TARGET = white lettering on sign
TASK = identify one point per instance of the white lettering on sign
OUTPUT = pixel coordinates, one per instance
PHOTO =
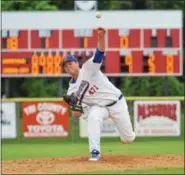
(45, 128)
(45, 107)
(163, 110)
(30, 109)
(51, 107)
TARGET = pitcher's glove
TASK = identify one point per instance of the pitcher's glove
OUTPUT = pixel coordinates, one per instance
(72, 100)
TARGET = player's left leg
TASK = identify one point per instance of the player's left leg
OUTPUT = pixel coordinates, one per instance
(121, 118)
(95, 118)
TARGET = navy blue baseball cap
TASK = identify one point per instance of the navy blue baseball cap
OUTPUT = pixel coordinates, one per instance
(69, 58)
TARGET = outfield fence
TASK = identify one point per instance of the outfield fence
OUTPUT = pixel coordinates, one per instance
(51, 117)
(131, 98)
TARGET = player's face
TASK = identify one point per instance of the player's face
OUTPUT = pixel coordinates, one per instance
(72, 68)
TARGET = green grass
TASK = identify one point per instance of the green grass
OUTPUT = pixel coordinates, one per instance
(151, 171)
(29, 150)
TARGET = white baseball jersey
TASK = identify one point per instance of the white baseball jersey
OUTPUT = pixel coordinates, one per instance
(100, 90)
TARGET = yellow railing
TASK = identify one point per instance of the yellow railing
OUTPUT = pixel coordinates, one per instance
(131, 98)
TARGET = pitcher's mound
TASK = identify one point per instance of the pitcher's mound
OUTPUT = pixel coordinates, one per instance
(77, 164)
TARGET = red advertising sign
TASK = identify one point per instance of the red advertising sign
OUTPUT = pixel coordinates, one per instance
(45, 119)
(157, 118)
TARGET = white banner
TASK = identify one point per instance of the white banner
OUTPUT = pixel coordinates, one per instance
(108, 128)
(157, 118)
(8, 120)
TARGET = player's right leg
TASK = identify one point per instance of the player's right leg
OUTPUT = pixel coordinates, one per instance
(95, 118)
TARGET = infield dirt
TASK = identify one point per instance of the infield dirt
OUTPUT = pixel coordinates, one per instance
(77, 164)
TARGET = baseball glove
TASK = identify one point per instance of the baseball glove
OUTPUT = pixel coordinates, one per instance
(72, 100)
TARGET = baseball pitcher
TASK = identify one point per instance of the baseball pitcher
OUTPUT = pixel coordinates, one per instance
(90, 89)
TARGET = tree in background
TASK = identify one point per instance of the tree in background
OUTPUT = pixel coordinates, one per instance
(151, 86)
(41, 87)
(27, 5)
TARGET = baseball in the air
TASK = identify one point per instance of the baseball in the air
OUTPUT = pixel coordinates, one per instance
(98, 15)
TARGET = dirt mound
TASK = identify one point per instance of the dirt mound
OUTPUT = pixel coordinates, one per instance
(77, 164)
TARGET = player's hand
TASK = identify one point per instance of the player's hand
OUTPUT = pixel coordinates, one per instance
(101, 31)
(76, 114)
(101, 39)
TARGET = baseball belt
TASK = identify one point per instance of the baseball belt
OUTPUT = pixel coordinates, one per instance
(113, 103)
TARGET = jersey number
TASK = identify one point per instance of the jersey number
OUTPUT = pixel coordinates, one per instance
(93, 90)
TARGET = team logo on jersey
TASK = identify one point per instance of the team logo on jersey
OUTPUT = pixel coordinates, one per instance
(82, 90)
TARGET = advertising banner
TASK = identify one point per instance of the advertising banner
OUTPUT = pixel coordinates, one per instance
(45, 119)
(108, 128)
(8, 120)
(157, 118)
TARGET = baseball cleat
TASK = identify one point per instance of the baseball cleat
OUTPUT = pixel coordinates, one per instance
(95, 155)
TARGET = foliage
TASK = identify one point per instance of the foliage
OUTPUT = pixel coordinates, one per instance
(40, 87)
(28, 5)
(175, 87)
(63, 4)
(167, 4)
(151, 86)
(114, 5)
